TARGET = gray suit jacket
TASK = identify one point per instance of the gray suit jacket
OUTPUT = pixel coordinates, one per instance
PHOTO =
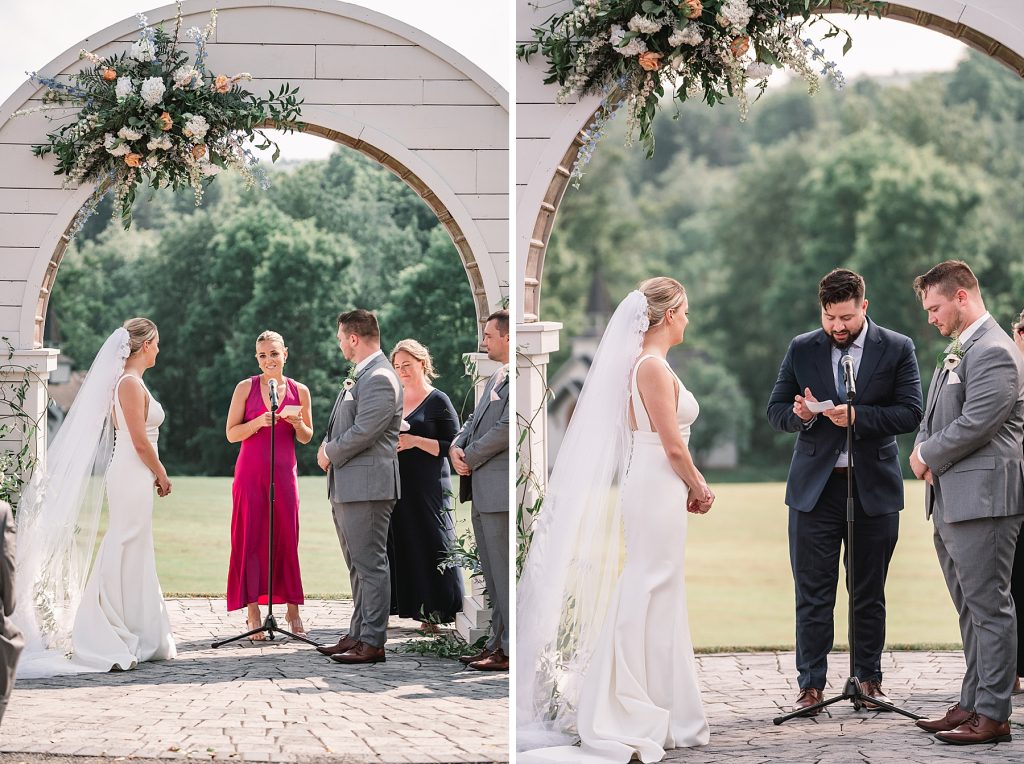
(362, 437)
(11, 641)
(971, 433)
(484, 438)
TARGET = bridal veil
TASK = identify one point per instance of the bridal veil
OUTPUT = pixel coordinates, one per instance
(575, 555)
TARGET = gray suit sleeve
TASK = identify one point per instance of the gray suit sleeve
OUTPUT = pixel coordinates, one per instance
(490, 444)
(378, 397)
(990, 393)
(462, 436)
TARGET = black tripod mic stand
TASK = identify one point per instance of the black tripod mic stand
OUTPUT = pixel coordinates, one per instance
(269, 626)
(852, 689)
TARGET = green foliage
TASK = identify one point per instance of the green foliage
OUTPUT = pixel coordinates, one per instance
(886, 178)
(157, 113)
(327, 237)
(16, 425)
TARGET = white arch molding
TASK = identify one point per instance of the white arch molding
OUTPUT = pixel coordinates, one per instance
(369, 82)
(548, 139)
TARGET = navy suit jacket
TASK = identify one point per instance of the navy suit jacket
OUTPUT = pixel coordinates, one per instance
(888, 402)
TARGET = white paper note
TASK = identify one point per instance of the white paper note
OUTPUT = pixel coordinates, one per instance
(820, 406)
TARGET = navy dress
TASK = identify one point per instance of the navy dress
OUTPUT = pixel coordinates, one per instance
(423, 522)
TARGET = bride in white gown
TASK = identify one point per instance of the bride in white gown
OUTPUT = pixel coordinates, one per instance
(604, 647)
(106, 446)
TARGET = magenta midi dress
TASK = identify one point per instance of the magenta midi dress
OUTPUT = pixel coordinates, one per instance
(250, 518)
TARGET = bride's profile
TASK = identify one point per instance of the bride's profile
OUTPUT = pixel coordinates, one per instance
(110, 614)
(605, 656)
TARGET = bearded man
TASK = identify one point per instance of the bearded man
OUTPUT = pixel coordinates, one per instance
(887, 402)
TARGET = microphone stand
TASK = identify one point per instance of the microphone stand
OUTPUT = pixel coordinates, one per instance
(852, 689)
(270, 622)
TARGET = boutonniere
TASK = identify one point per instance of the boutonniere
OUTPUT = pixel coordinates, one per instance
(348, 384)
(950, 358)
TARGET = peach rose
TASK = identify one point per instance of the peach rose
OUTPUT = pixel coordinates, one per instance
(740, 45)
(165, 122)
(692, 9)
(133, 160)
(222, 84)
(109, 74)
(198, 151)
(650, 62)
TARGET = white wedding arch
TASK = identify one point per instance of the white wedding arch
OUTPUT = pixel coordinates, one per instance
(548, 138)
(369, 82)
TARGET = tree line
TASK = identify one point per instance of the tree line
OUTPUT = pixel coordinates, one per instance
(887, 177)
(328, 236)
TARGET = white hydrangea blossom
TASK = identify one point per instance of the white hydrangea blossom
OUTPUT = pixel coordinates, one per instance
(127, 134)
(635, 47)
(115, 146)
(209, 169)
(163, 143)
(186, 77)
(735, 14)
(196, 127)
(759, 70)
(123, 88)
(644, 25)
(615, 35)
(688, 35)
(152, 160)
(152, 90)
(143, 50)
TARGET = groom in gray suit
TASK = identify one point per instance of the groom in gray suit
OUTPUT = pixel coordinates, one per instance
(360, 457)
(479, 454)
(969, 453)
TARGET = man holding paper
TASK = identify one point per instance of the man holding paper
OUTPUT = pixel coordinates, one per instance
(887, 402)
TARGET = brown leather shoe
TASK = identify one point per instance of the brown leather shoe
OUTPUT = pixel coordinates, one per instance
(467, 659)
(345, 644)
(1017, 689)
(807, 698)
(496, 661)
(977, 730)
(955, 716)
(873, 689)
(361, 653)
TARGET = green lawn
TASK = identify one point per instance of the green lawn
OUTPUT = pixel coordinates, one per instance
(739, 583)
(740, 586)
(192, 531)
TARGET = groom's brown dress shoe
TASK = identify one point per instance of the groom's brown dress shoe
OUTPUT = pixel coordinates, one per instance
(361, 653)
(467, 659)
(873, 689)
(1017, 689)
(345, 644)
(976, 731)
(496, 661)
(807, 698)
(955, 716)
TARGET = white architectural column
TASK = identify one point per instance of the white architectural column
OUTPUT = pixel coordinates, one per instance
(535, 342)
(475, 618)
(33, 366)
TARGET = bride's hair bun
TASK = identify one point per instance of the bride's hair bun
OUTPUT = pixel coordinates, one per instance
(139, 330)
(663, 294)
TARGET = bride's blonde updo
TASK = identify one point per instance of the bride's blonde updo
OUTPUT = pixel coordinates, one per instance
(663, 294)
(270, 336)
(139, 330)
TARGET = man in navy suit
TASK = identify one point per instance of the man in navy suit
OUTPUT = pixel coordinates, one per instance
(887, 402)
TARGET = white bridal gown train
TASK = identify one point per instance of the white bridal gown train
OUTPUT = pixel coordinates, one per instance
(639, 694)
(123, 619)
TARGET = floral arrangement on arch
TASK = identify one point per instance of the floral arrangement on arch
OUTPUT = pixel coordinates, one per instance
(157, 113)
(631, 51)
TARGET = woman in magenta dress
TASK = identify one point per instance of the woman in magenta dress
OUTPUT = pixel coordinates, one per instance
(249, 423)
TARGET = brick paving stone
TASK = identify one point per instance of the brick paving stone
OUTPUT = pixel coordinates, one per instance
(269, 702)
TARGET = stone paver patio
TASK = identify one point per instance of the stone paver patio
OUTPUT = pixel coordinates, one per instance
(744, 692)
(285, 702)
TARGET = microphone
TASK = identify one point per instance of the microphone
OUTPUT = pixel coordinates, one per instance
(848, 375)
(273, 395)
